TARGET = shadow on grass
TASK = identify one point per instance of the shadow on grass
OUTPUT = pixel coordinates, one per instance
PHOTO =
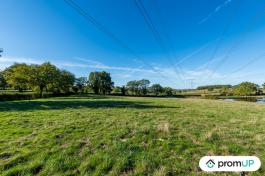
(73, 103)
(85, 96)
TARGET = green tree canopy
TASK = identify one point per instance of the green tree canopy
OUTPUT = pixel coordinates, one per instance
(80, 83)
(138, 86)
(133, 86)
(156, 89)
(246, 88)
(123, 90)
(116, 90)
(100, 82)
(66, 81)
(143, 85)
(44, 76)
(18, 76)
(3, 83)
(212, 87)
(168, 91)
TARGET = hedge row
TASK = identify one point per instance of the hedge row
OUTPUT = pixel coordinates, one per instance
(27, 96)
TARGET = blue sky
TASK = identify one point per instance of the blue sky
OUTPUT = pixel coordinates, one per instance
(202, 41)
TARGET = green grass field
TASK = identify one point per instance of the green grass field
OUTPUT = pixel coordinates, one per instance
(97, 135)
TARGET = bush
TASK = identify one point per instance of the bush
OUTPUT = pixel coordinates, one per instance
(27, 96)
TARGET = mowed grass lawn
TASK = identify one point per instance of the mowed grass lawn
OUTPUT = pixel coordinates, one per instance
(105, 135)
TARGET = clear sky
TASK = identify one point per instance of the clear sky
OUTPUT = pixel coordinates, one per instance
(183, 43)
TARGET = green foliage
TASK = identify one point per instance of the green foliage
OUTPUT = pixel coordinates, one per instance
(43, 76)
(212, 87)
(139, 87)
(156, 89)
(80, 84)
(168, 91)
(226, 91)
(143, 84)
(123, 90)
(132, 86)
(18, 76)
(116, 90)
(245, 88)
(38, 78)
(119, 90)
(8, 96)
(3, 82)
(65, 82)
(100, 82)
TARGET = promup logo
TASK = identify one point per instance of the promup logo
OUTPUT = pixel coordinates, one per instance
(229, 163)
(210, 163)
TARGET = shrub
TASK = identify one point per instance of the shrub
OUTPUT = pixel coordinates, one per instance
(27, 96)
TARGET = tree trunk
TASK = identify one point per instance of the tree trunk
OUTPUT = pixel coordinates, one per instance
(41, 91)
(20, 89)
(96, 90)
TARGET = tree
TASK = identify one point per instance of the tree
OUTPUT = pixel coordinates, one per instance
(66, 81)
(106, 83)
(80, 83)
(44, 75)
(143, 85)
(93, 80)
(212, 87)
(246, 88)
(123, 90)
(138, 87)
(37, 77)
(133, 86)
(116, 90)
(3, 83)
(100, 82)
(156, 89)
(119, 90)
(226, 91)
(18, 76)
(168, 91)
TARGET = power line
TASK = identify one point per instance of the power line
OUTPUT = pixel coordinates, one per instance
(153, 30)
(219, 42)
(253, 21)
(255, 59)
(149, 23)
(103, 29)
(168, 38)
(163, 23)
(183, 59)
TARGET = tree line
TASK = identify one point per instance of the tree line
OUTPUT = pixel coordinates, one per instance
(212, 87)
(39, 78)
(142, 87)
(47, 77)
(242, 89)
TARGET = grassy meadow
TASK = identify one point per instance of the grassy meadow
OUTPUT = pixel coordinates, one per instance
(108, 135)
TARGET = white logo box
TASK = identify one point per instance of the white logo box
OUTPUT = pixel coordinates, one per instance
(229, 163)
